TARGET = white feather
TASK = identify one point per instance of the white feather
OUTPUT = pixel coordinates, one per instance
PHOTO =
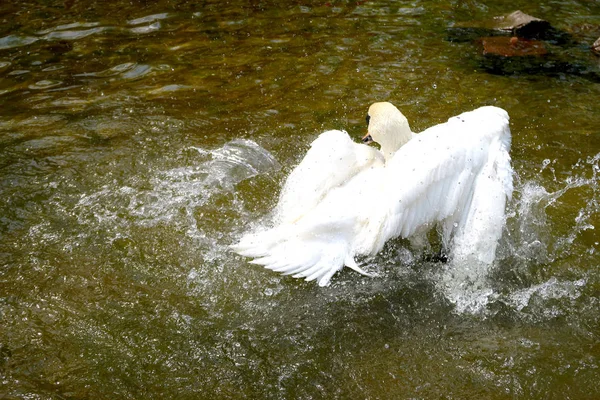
(332, 159)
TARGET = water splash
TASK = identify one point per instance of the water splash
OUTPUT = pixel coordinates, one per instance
(551, 289)
(172, 196)
(466, 285)
(532, 234)
(531, 238)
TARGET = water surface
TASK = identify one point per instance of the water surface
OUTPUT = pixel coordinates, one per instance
(139, 139)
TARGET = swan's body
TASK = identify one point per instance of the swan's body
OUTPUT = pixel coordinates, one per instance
(346, 199)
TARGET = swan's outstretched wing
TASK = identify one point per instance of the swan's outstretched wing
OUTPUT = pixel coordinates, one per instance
(315, 214)
(332, 159)
(457, 173)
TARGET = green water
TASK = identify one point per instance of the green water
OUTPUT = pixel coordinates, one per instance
(139, 139)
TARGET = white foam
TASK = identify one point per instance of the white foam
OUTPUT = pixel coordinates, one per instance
(465, 284)
(551, 289)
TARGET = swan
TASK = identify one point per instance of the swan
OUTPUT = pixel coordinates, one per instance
(347, 199)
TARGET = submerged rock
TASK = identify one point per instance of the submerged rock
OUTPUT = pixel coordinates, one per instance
(523, 42)
(512, 46)
(520, 44)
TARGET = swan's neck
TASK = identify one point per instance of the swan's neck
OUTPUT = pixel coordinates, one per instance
(398, 133)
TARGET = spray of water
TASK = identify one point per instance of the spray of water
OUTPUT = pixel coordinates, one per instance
(531, 238)
(172, 196)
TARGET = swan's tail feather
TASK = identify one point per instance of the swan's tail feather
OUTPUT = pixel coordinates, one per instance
(305, 256)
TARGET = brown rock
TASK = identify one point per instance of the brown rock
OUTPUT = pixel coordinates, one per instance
(512, 46)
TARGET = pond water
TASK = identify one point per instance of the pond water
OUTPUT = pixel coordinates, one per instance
(139, 139)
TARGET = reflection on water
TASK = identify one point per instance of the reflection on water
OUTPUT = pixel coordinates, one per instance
(139, 139)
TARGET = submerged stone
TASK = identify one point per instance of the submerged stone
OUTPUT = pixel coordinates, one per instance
(517, 43)
(512, 46)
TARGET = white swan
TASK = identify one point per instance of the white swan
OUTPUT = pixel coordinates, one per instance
(346, 199)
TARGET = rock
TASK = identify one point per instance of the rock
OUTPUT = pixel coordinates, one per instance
(596, 47)
(521, 24)
(516, 23)
(520, 44)
(512, 46)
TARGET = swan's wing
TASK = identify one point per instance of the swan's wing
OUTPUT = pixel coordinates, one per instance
(481, 225)
(314, 252)
(316, 213)
(458, 172)
(332, 159)
(320, 243)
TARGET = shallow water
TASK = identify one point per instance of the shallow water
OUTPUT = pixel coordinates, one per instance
(139, 139)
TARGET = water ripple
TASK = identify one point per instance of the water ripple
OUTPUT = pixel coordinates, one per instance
(74, 35)
(146, 29)
(69, 26)
(137, 72)
(53, 68)
(11, 41)
(45, 84)
(19, 72)
(149, 18)
(170, 88)
(80, 30)
(127, 70)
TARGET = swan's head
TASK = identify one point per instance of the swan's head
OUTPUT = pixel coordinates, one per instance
(387, 126)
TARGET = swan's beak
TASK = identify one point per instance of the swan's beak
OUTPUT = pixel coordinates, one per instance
(367, 139)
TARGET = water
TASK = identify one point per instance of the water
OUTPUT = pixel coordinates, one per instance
(138, 140)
